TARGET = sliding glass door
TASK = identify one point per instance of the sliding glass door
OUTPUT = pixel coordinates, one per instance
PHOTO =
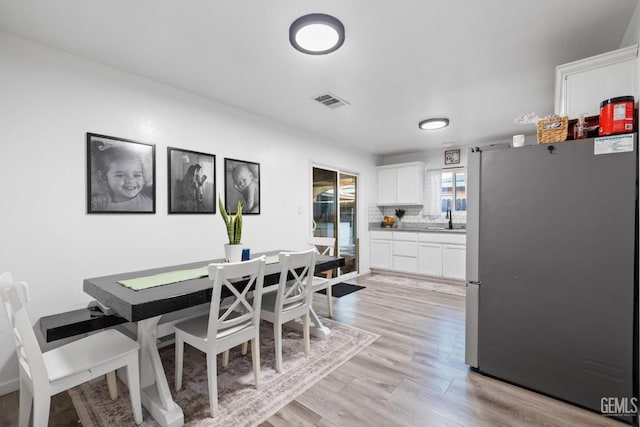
(334, 199)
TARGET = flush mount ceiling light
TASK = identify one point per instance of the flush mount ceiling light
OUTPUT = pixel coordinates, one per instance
(432, 124)
(316, 34)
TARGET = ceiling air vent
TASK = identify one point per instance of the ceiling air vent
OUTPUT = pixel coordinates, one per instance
(330, 100)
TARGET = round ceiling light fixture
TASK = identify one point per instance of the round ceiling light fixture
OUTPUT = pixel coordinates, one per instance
(432, 124)
(316, 34)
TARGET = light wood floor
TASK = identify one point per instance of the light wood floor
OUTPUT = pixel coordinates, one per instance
(413, 375)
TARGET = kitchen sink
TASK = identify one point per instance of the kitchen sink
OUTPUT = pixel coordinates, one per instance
(452, 230)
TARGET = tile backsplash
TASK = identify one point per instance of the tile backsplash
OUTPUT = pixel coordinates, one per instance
(413, 214)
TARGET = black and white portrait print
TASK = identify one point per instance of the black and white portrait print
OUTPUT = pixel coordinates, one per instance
(192, 182)
(120, 175)
(242, 183)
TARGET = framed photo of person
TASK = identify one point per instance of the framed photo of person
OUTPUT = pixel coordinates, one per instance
(452, 157)
(192, 182)
(121, 175)
(242, 183)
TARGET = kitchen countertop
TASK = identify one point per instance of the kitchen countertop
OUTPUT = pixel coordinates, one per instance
(422, 228)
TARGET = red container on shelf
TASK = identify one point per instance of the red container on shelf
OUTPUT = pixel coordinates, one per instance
(617, 115)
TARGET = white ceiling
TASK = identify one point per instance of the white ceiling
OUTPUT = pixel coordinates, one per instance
(480, 63)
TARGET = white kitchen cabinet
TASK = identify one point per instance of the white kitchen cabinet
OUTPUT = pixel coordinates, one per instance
(582, 85)
(401, 184)
(387, 186)
(430, 259)
(381, 250)
(410, 184)
(442, 255)
(429, 254)
(405, 264)
(405, 252)
(409, 249)
(454, 261)
(381, 254)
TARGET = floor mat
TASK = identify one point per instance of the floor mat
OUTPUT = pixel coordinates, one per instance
(341, 289)
(426, 284)
(240, 404)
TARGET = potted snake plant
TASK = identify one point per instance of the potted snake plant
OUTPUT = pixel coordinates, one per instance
(233, 223)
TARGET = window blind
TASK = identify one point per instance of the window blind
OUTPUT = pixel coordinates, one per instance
(432, 189)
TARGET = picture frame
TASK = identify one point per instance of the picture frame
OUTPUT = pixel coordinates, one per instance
(191, 182)
(242, 183)
(121, 175)
(452, 157)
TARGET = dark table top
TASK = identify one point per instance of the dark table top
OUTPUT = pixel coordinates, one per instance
(143, 304)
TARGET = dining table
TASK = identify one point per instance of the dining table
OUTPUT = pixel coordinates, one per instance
(145, 305)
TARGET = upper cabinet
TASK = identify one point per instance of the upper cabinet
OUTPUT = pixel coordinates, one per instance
(401, 184)
(583, 84)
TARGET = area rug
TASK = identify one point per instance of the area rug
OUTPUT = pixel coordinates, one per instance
(428, 285)
(240, 404)
(341, 289)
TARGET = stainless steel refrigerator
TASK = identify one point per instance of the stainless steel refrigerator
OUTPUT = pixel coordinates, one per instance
(552, 262)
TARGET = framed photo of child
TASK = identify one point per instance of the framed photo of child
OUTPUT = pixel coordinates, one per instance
(192, 182)
(121, 175)
(242, 183)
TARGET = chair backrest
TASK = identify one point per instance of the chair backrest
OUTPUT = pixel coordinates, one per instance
(324, 245)
(14, 295)
(21, 287)
(6, 282)
(296, 278)
(240, 278)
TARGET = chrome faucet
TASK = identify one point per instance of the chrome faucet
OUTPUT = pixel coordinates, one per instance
(450, 218)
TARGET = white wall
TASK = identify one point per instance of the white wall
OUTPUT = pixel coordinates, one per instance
(632, 33)
(49, 101)
(433, 159)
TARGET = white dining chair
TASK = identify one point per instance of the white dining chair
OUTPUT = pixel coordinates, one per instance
(43, 375)
(228, 326)
(292, 299)
(324, 246)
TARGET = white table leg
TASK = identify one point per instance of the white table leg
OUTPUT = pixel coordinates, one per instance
(155, 393)
(317, 329)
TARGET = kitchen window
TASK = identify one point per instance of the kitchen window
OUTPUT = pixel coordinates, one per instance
(453, 194)
(445, 189)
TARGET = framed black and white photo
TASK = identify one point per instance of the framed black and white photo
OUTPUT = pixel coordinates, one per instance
(242, 183)
(120, 175)
(452, 157)
(192, 182)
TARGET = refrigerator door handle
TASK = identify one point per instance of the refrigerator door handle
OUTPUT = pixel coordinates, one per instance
(471, 324)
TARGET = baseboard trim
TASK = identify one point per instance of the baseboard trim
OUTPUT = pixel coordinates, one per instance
(9, 386)
(419, 276)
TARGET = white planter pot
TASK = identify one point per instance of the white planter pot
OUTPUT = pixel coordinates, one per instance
(233, 253)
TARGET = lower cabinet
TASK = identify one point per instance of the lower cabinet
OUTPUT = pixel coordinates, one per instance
(405, 252)
(430, 259)
(405, 264)
(429, 254)
(442, 255)
(454, 259)
(381, 254)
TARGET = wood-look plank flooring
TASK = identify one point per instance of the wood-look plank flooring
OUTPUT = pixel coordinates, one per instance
(413, 375)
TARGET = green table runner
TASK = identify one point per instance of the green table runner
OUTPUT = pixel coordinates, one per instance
(169, 277)
(160, 279)
(272, 259)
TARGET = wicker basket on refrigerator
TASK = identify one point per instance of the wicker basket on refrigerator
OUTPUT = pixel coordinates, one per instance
(551, 130)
